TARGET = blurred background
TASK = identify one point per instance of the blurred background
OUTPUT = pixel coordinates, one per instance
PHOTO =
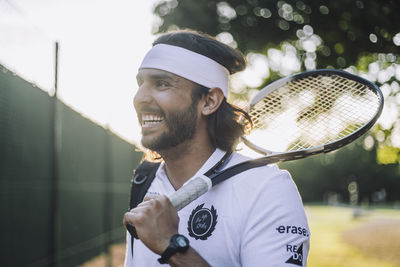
(69, 134)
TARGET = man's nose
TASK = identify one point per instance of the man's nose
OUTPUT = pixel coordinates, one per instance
(142, 96)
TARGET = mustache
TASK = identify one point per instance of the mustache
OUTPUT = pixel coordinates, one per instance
(147, 109)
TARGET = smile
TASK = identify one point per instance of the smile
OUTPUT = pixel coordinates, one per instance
(151, 119)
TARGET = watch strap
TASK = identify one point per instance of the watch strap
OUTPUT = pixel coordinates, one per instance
(173, 248)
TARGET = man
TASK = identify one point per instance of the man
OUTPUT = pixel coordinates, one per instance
(255, 218)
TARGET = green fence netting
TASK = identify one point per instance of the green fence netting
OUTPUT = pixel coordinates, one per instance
(67, 220)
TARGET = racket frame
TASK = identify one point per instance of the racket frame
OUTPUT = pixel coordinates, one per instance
(329, 146)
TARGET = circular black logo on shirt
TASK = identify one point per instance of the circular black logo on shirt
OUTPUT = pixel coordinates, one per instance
(202, 222)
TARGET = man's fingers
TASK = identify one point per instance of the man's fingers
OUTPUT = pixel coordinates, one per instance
(135, 218)
(158, 198)
(129, 217)
(146, 202)
(147, 197)
(155, 201)
(136, 215)
(151, 207)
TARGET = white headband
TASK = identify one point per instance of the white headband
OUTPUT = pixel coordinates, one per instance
(187, 64)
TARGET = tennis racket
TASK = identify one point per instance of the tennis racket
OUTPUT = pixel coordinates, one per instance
(295, 117)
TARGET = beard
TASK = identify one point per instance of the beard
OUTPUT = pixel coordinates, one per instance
(181, 126)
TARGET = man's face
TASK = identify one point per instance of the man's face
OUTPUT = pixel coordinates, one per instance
(165, 109)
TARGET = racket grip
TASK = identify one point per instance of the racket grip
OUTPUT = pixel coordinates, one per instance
(183, 196)
(190, 191)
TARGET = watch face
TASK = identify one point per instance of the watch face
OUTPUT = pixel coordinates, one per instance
(180, 240)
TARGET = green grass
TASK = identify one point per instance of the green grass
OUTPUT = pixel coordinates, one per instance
(328, 246)
(336, 239)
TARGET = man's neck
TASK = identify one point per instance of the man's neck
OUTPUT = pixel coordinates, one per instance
(183, 161)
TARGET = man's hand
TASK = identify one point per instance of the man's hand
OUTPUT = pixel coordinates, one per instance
(155, 220)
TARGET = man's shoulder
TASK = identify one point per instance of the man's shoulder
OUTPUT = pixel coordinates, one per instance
(262, 188)
(265, 171)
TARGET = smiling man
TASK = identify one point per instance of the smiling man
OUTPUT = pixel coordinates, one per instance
(161, 132)
(182, 106)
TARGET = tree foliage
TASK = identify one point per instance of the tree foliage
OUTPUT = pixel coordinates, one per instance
(361, 36)
(348, 29)
(330, 174)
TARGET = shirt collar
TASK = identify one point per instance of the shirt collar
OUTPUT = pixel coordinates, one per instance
(211, 161)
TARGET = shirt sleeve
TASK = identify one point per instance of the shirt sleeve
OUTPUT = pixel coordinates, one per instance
(275, 231)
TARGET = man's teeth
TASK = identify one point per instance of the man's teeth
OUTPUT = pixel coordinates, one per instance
(151, 119)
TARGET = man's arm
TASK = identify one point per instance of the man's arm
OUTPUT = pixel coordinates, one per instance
(189, 258)
(156, 221)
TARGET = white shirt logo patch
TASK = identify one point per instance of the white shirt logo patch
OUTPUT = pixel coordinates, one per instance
(202, 222)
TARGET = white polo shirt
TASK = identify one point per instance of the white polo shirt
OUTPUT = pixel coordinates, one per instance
(255, 218)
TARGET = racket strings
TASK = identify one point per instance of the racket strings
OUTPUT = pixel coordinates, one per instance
(312, 111)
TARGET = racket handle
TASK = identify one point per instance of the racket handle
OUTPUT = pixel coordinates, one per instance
(190, 191)
(183, 196)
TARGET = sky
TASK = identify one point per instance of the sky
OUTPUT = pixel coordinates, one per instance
(101, 44)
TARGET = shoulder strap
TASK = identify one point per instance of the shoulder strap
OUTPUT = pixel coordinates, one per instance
(142, 179)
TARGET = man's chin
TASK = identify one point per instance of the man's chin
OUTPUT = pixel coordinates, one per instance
(147, 144)
(161, 143)
(153, 144)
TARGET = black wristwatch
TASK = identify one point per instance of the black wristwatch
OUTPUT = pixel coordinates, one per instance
(178, 243)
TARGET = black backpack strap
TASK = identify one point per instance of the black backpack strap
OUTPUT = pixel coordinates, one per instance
(142, 179)
(143, 176)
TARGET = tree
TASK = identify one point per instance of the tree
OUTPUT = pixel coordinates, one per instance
(289, 36)
(319, 176)
(348, 29)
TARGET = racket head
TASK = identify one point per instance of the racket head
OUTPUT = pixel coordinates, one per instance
(312, 112)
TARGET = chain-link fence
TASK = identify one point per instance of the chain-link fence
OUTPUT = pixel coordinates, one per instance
(64, 180)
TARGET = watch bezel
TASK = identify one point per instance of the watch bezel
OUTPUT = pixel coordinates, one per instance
(174, 247)
(177, 240)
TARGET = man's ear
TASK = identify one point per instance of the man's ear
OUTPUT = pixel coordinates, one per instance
(212, 101)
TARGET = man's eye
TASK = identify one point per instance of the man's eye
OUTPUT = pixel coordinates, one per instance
(162, 84)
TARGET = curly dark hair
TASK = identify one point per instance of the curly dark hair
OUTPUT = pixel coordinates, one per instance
(227, 124)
